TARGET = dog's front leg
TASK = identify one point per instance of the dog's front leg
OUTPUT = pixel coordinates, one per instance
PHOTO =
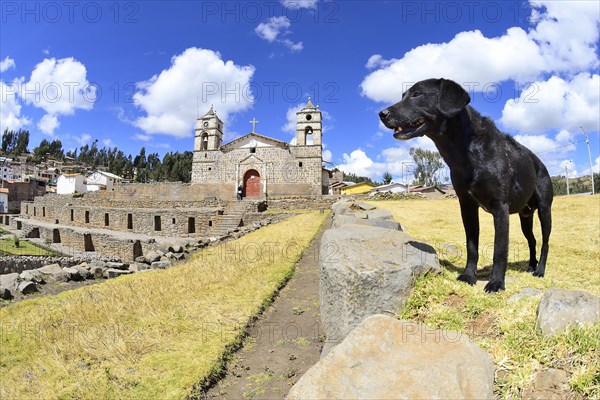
(469, 210)
(500, 213)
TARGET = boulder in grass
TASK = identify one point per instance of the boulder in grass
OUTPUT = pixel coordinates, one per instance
(384, 358)
(27, 287)
(561, 308)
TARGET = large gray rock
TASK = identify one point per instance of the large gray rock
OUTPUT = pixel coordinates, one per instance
(73, 274)
(364, 206)
(366, 271)
(160, 264)
(550, 384)
(84, 272)
(97, 271)
(137, 267)
(32, 275)
(10, 281)
(114, 272)
(152, 256)
(380, 214)
(117, 265)
(342, 208)
(560, 308)
(27, 287)
(342, 220)
(5, 294)
(53, 273)
(384, 358)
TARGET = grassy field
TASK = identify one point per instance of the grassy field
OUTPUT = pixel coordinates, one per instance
(507, 329)
(153, 335)
(26, 248)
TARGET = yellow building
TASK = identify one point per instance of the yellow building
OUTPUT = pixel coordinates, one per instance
(359, 188)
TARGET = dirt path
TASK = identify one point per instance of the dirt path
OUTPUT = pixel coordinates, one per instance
(283, 343)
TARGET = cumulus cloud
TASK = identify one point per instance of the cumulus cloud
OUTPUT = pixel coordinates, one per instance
(298, 4)
(48, 124)
(276, 27)
(108, 143)
(59, 87)
(7, 64)
(10, 109)
(563, 40)
(169, 99)
(395, 160)
(556, 103)
(83, 139)
(270, 30)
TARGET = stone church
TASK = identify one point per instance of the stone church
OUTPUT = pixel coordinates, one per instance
(263, 166)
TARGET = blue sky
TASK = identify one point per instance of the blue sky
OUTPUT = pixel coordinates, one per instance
(136, 73)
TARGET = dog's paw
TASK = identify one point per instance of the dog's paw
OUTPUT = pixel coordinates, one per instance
(470, 279)
(494, 286)
(538, 273)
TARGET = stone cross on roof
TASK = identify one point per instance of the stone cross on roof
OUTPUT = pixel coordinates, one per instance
(254, 122)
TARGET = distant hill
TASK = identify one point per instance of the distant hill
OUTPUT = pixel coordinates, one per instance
(581, 184)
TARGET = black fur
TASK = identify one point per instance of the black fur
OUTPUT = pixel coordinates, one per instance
(488, 168)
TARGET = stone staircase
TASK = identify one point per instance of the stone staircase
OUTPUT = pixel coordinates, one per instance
(232, 217)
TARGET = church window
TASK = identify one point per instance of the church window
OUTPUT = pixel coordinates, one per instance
(252, 149)
(300, 164)
(308, 117)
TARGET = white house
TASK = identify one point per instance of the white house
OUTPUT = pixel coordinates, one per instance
(70, 183)
(3, 200)
(101, 180)
(392, 187)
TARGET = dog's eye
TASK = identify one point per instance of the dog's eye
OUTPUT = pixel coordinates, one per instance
(417, 94)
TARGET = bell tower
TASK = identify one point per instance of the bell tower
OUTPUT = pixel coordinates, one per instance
(309, 124)
(209, 132)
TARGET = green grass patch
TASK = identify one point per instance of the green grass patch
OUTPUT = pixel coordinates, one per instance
(26, 248)
(152, 335)
(506, 330)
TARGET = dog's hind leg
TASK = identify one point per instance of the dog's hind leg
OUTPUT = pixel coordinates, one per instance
(470, 216)
(527, 228)
(546, 223)
(501, 222)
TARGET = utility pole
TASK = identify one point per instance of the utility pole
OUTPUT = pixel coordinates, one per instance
(587, 141)
(567, 175)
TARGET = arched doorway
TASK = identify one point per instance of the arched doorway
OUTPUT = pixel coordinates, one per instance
(252, 183)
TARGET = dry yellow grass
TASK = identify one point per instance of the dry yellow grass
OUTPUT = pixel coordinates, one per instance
(147, 336)
(507, 329)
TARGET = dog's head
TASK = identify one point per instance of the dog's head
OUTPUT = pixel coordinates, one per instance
(424, 107)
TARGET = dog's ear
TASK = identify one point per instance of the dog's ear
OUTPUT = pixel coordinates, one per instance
(453, 98)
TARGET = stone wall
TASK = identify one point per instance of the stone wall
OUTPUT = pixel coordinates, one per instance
(18, 264)
(83, 240)
(187, 222)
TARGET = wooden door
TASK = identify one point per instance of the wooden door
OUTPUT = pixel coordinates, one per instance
(252, 184)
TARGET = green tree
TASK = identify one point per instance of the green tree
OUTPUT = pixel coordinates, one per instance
(427, 164)
(387, 178)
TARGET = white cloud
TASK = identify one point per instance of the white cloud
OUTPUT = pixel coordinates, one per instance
(395, 160)
(83, 139)
(59, 87)
(270, 30)
(563, 40)
(552, 151)
(293, 46)
(298, 4)
(10, 109)
(141, 137)
(596, 167)
(7, 64)
(48, 124)
(169, 99)
(276, 27)
(290, 116)
(327, 155)
(108, 143)
(556, 104)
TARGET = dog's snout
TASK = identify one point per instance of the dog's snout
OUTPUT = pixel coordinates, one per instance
(383, 114)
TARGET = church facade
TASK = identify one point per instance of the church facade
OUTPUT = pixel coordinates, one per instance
(264, 167)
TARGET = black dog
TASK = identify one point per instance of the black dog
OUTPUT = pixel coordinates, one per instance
(489, 169)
